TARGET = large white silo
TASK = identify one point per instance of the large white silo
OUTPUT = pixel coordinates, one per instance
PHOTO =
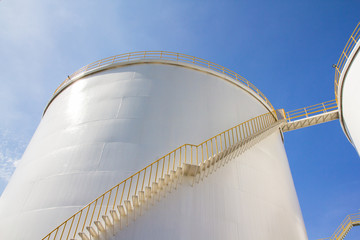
(347, 86)
(112, 119)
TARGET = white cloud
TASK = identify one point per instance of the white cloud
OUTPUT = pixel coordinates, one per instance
(11, 150)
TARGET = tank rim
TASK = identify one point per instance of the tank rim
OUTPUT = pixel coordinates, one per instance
(162, 57)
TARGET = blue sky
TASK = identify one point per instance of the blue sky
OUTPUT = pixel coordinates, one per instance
(285, 48)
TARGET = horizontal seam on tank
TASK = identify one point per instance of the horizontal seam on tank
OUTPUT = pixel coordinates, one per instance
(83, 144)
(50, 208)
(107, 119)
(83, 172)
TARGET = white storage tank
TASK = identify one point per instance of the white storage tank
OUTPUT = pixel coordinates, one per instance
(114, 117)
(347, 86)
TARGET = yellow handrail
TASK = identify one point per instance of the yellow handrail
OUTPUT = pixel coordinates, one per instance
(310, 111)
(354, 38)
(346, 225)
(169, 56)
(136, 183)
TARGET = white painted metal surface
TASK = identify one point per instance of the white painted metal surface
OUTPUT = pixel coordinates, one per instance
(349, 97)
(252, 197)
(110, 124)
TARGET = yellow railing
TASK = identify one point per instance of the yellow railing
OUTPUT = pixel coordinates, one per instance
(132, 188)
(350, 221)
(310, 111)
(354, 38)
(170, 56)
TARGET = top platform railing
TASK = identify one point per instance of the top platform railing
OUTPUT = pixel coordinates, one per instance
(169, 56)
(354, 38)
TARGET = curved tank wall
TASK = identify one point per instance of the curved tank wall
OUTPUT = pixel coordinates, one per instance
(349, 97)
(251, 197)
(109, 124)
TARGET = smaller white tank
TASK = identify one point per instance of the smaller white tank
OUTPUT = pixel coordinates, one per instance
(348, 89)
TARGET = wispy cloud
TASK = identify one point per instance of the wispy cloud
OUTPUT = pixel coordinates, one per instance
(11, 150)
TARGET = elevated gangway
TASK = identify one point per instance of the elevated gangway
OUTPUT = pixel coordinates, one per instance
(117, 205)
(312, 115)
(120, 204)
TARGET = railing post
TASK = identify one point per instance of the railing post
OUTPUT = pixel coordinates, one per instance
(157, 167)
(232, 133)
(149, 178)
(185, 155)
(142, 186)
(217, 149)
(197, 162)
(191, 152)
(212, 150)
(174, 161)
(324, 108)
(131, 184)
(202, 153)
(237, 135)
(225, 141)
(168, 168)
(221, 148)
(163, 166)
(229, 139)
(207, 150)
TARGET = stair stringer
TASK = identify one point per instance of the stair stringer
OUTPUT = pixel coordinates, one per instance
(123, 226)
(160, 219)
(102, 229)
